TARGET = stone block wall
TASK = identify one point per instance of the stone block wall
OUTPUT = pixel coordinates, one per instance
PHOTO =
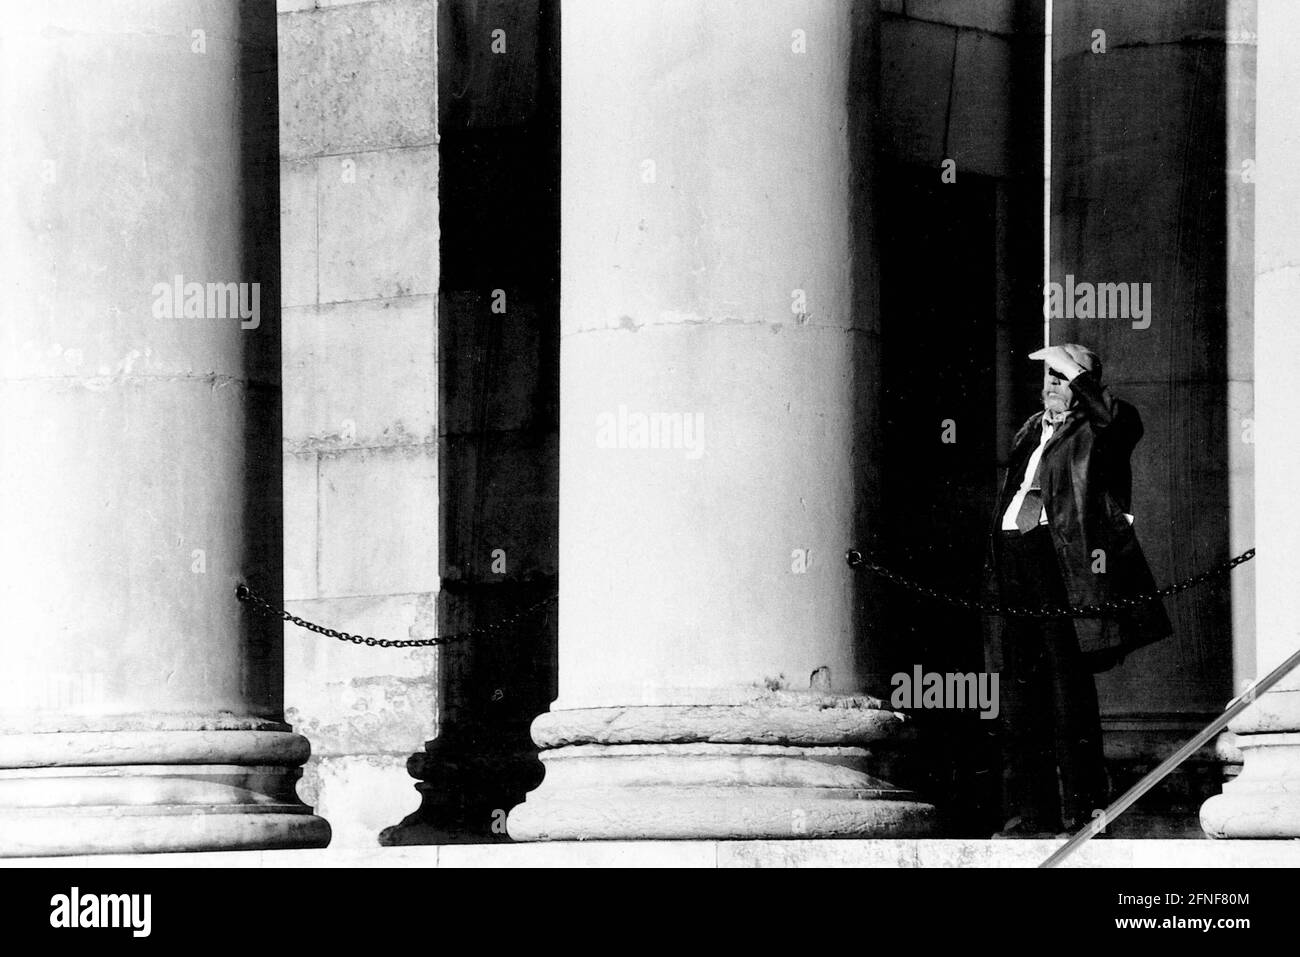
(359, 247)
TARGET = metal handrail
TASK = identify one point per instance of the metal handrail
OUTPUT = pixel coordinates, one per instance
(1235, 707)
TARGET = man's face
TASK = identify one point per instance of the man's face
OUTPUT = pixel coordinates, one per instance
(1056, 392)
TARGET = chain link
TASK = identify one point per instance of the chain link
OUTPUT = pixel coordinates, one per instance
(261, 605)
(856, 559)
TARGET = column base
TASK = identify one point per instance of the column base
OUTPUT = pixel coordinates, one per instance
(142, 792)
(816, 768)
(1263, 801)
(157, 831)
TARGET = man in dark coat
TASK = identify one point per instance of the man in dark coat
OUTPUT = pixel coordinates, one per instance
(1063, 534)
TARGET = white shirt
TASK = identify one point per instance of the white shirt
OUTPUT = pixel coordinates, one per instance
(1009, 516)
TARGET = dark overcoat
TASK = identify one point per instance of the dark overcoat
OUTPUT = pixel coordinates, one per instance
(1087, 484)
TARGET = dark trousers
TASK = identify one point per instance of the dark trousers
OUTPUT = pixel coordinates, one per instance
(1053, 772)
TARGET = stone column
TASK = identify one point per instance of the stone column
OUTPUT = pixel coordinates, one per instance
(718, 367)
(1264, 800)
(141, 704)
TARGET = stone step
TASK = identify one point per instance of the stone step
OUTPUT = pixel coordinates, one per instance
(840, 853)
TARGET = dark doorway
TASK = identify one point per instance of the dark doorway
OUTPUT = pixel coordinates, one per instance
(940, 445)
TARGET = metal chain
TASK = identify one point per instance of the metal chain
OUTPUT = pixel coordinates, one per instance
(244, 593)
(856, 559)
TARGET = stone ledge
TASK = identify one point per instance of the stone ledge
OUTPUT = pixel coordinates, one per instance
(775, 719)
(713, 854)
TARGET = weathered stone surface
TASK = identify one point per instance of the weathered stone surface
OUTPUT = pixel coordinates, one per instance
(750, 723)
(645, 570)
(301, 539)
(656, 813)
(379, 88)
(359, 794)
(357, 77)
(883, 852)
(226, 740)
(1263, 801)
(1277, 709)
(141, 482)
(378, 224)
(340, 359)
(177, 829)
(355, 700)
(298, 36)
(603, 766)
(298, 228)
(379, 537)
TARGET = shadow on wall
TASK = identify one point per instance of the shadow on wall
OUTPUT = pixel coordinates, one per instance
(940, 450)
(260, 241)
(498, 347)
